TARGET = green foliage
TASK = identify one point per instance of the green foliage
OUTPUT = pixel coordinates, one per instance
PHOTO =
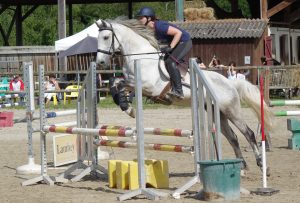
(164, 11)
(40, 28)
(243, 5)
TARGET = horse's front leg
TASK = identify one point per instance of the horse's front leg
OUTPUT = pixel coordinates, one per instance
(121, 96)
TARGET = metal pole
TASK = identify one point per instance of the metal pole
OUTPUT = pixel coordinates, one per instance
(179, 10)
(44, 176)
(31, 167)
(30, 105)
(139, 127)
(151, 194)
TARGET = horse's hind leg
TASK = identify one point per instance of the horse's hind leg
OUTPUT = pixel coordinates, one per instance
(232, 139)
(250, 136)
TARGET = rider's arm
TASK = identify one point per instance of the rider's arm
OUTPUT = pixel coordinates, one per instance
(176, 33)
(211, 64)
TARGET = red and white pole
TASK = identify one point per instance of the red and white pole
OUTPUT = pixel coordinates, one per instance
(263, 143)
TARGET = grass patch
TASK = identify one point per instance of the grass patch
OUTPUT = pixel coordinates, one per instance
(147, 104)
(105, 103)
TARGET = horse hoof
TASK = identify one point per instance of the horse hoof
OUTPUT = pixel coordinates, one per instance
(268, 171)
(130, 111)
(243, 173)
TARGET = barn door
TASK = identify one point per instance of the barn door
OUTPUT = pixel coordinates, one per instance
(268, 50)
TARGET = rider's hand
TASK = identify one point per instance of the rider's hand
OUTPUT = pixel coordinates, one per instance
(166, 49)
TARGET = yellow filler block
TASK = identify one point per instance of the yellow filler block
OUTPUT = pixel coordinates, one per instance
(124, 174)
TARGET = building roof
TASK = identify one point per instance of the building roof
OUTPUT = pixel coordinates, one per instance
(227, 28)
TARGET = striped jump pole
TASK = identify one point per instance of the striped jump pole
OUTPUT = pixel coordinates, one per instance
(284, 102)
(117, 131)
(150, 146)
(287, 113)
(9, 96)
(169, 132)
(156, 131)
(89, 131)
(65, 124)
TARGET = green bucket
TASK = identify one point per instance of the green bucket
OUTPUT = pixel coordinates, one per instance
(221, 178)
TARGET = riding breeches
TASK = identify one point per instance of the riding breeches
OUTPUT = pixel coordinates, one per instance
(179, 52)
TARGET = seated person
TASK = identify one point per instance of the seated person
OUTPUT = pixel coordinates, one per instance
(16, 84)
(51, 84)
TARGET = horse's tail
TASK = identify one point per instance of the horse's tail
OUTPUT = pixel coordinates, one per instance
(250, 94)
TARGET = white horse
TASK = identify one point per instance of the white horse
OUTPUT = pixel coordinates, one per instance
(135, 41)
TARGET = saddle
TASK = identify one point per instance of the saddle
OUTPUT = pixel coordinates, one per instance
(185, 80)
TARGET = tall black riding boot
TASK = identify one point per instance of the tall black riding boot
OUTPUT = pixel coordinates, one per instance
(175, 81)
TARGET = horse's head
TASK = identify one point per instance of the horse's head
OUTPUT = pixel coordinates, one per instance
(107, 42)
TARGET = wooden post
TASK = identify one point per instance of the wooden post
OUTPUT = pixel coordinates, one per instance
(62, 31)
(70, 19)
(263, 9)
(19, 29)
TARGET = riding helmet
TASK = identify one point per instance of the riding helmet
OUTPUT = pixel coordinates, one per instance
(146, 11)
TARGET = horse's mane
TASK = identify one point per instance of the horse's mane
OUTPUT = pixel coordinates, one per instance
(140, 29)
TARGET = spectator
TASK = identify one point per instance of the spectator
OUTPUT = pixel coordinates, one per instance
(16, 84)
(200, 63)
(242, 74)
(233, 75)
(215, 63)
(51, 84)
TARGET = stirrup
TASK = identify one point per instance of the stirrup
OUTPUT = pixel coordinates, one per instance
(176, 94)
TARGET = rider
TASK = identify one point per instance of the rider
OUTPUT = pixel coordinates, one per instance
(179, 44)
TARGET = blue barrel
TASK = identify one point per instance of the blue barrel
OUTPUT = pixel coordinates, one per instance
(221, 178)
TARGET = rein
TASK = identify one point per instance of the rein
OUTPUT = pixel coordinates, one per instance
(117, 54)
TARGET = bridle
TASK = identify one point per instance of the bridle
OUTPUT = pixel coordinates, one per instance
(112, 50)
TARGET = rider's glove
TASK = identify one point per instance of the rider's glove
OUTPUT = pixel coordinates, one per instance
(166, 49)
